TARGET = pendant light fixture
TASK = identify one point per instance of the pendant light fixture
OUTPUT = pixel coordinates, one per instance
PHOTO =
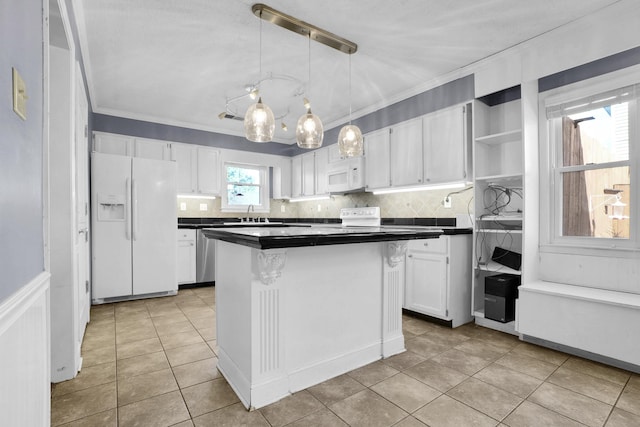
(259, 123)
(350, 139)
(309, 131)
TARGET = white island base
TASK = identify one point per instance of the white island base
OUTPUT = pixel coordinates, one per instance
(291, 318)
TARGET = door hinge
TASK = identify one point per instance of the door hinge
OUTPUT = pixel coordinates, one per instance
(446, 313)
(86, 286)
(86, 131)
(447, 260)
(86, 208)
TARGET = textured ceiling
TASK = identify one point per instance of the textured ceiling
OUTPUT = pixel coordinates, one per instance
(178, 62)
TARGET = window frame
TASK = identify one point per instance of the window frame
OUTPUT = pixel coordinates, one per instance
(264, 189)
(551, 168)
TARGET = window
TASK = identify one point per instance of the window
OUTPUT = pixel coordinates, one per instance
(246, 188)
(593, 149)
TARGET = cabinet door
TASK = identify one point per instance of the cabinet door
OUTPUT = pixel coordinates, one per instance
(321, 168)
(186, 262)
(406, 153)
(376, 156)
(444, 146)
(149, 149)
(208, 171)
(426, 283)
(185, 156)
(334, 153)
(109, 143)
(296, 176)
(308, 174)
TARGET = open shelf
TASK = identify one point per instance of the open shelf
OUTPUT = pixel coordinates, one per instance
(501, 178)
(500, 218)
(494, 267)
(499, 231)
(501, 137)
(509, 328)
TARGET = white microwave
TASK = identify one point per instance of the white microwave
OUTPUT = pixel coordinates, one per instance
(346, 175)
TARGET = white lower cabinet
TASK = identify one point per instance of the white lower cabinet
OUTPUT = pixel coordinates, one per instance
(438, 278)
(186, 263)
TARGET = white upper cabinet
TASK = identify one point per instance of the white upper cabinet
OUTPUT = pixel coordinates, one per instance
(186, 158)
(208, 171)
(321, 170)
(406, 153)
(296, 176)
(151, 149)
(110, 143)
(198, 169)
(444, 146)
(308, 174)
(376, 153)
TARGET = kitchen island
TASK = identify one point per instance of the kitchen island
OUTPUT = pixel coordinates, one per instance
(296, 306)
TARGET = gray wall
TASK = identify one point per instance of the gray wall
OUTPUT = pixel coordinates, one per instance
(21, 233)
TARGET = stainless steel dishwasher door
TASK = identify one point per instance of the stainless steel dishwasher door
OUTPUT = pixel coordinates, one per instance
(205, 258)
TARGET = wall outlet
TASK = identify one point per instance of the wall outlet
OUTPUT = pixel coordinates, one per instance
(282, 209)
(447, 202)
(319, 208)
(204, 207)
(183, 206)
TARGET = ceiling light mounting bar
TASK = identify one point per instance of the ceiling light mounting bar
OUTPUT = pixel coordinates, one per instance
(297, 26)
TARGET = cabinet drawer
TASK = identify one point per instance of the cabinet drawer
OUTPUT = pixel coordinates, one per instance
(438, 246)
(186, 234)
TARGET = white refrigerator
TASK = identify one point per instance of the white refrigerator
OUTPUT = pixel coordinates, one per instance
(133, 203)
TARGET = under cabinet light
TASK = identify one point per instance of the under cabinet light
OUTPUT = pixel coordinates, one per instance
(419, 188)
(309, 198)
(195, 196)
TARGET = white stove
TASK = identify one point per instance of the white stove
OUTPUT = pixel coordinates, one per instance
(360, 217)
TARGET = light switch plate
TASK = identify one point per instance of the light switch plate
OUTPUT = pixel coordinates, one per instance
(19, 95)
(204, 207)
(183, 206)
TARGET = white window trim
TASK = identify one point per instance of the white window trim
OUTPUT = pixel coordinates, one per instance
(263, 207)
(550, 239)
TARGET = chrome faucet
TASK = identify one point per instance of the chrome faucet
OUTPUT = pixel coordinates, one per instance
(250, 208)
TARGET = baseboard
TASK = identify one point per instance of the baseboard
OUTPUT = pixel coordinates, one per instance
(25, 359)
(583, 353)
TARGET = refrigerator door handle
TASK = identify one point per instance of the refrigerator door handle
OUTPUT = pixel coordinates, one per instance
(134, 197)
(127, 215)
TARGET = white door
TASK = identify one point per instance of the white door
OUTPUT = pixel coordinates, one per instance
(376, 156)
(444, 146)
(426, 283)
(406, 153)
(153, 220)
(111, 230)
(81, 250)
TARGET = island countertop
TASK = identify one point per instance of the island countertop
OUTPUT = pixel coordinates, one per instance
(293, 237)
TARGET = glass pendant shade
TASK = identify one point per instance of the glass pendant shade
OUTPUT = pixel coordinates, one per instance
(309, 131)
(350, 141)
(259, 123)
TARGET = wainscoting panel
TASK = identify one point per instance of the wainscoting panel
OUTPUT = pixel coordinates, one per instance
(25, 388)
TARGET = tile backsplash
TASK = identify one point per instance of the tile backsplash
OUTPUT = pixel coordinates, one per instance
(399, 205)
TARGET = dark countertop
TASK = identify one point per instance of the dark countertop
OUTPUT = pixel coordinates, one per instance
(295, 236)
(446, 226)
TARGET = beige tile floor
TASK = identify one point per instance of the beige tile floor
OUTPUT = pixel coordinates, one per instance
(153, 363)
